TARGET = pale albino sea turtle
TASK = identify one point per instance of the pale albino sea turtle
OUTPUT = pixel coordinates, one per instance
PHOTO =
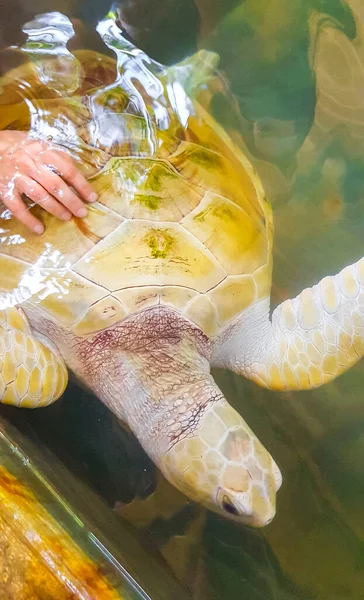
(168, 275)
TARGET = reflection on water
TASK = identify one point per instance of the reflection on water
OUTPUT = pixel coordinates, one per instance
(296, 70)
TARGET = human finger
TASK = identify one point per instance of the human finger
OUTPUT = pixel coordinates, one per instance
(39, 195)
(66, 168)
(20, 211)
(60, 190)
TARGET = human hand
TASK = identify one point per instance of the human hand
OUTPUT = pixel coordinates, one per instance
(44, 174)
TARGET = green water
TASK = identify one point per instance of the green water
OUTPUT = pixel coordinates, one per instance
(296, 70)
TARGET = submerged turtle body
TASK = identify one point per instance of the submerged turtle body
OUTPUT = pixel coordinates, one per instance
(168, 275)
(172, 227)
(169, 196)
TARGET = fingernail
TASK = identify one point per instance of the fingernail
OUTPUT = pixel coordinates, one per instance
(92, 197)
(66, 215)
(82, 212)
(38, 228)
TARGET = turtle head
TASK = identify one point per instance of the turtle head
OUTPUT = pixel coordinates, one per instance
(180, 416)
(224, 466)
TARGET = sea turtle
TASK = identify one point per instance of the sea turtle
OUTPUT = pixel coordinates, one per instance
(168, 275)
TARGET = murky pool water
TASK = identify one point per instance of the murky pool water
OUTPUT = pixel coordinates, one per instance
(296, 71)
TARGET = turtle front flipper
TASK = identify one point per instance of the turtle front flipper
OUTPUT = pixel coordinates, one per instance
(31, 375)
(309, 341)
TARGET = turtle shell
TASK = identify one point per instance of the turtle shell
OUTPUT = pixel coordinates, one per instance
(180, 220)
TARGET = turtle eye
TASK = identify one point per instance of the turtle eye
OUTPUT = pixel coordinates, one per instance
(229, 507)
